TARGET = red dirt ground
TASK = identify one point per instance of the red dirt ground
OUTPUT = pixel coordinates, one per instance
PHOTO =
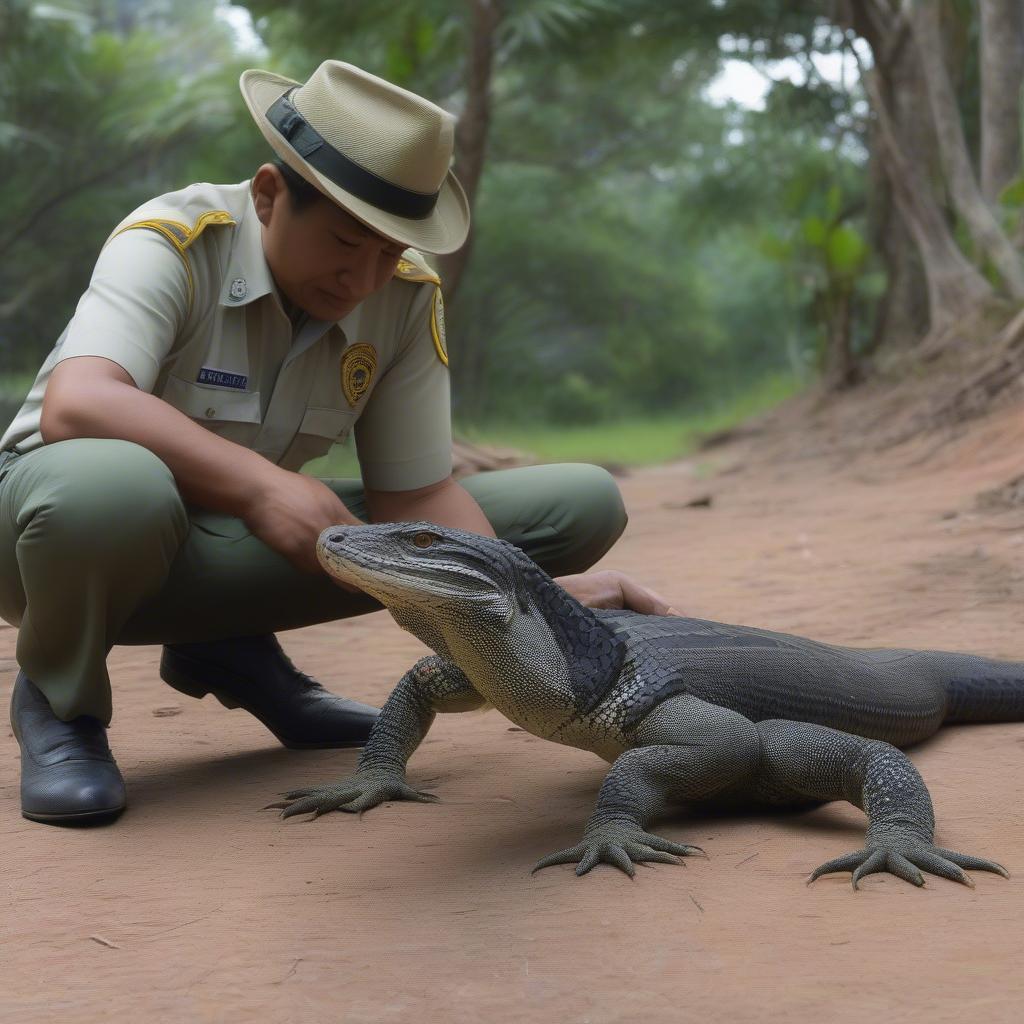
(199, 906)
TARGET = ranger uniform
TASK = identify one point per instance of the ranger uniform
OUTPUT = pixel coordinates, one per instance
(98, 547)
(182, 298)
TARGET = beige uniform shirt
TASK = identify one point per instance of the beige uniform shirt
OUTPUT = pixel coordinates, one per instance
(183, 299)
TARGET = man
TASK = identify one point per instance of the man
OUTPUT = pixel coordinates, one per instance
(149, 486)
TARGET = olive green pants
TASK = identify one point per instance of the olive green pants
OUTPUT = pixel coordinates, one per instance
(97, 548)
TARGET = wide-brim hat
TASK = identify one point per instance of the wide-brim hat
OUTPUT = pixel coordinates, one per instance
(380, 152)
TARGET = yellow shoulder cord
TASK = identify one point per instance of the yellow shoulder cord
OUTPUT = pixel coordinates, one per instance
(437, 325)
(181, 236)
(413, 267)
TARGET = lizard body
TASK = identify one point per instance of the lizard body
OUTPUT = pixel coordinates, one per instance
(684, 709)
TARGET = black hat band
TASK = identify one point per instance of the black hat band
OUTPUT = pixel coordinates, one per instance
(345, 173)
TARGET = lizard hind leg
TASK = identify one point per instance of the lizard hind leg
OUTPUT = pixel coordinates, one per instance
(822, 763)
(905, 860)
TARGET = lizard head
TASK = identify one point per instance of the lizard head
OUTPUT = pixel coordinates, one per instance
(460, 592)
(425, 574)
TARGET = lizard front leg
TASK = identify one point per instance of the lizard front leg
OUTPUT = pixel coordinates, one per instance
(686, 750)
(432, 685)
(825, 764)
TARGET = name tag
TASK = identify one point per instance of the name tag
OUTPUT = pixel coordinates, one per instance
(222, 378)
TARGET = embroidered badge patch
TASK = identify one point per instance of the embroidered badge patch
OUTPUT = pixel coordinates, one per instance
(222, 378)
(358, 365)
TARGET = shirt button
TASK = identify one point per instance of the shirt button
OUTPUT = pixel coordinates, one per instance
(211, 412)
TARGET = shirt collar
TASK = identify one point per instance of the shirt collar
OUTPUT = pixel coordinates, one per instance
(248, 277)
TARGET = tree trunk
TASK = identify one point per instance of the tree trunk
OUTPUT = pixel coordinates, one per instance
(473, 127)
(1002, 77)
(902, 316)
(955, 288)
(954, 285)
(963, 186)
(840, 370)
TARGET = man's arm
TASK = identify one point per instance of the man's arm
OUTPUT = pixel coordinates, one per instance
(408, 419)
(446, 503)
(449, 504)
(92, 396)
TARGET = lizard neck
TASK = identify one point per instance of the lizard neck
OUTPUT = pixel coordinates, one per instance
(593, 651)
(553, 652)
(552, 660)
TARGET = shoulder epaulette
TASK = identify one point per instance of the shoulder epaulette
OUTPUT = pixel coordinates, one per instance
(181, 235)
(413, 267)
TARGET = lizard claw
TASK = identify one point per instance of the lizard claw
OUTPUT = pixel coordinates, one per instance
(904, 857)
(621, 845)
(356, 794)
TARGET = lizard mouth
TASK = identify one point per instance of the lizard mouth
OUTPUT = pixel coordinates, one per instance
(343, 563)
(395, 579)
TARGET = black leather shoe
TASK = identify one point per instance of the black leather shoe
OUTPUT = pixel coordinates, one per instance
(68, 775)
(255, 674)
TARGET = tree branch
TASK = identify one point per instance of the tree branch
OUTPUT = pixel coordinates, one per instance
(80, 185)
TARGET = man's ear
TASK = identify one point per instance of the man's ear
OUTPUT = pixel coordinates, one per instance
(268, 188)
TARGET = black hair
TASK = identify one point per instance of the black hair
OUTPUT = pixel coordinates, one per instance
(301, 192)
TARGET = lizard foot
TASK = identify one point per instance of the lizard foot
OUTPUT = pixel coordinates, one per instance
(621, 844)
(902, 857)
(355, 794)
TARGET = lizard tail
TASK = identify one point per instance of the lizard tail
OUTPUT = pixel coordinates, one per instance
(982, 689)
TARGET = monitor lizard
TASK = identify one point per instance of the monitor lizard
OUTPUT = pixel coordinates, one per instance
(684, 709)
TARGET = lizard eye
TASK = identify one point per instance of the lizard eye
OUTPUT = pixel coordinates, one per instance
(423, 539)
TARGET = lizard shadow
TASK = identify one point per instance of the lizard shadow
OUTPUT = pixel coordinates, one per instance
(556, 818)
(822, 817)
(224, 781)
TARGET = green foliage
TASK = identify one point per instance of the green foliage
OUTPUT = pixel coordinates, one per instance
(815, 232)
(636, 440)
(839, 248)
(97, 115)
(1011, 207)
(845, 252)
(637, 249)
(823, 252)
(639, 439)
(1012, 195)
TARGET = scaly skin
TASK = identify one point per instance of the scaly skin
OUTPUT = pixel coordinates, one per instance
(431, 685)
(686, 710)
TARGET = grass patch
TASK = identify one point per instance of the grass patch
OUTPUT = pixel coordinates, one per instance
(637, 440)
(634, 441)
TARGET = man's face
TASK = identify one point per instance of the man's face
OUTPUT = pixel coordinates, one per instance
(323, 259)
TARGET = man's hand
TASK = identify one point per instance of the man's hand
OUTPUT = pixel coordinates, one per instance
(91, 396)
(289, 511)
(612, 589)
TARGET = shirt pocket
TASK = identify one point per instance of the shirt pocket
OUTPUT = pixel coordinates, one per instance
(320, 429)
(231, 414)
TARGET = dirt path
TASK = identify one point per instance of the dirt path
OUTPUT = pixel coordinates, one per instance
(197, 906)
